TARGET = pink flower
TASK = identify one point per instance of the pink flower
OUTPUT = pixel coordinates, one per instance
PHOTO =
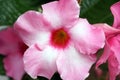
(115, 8)
(59, 41)
(12, 47)
(112, 47)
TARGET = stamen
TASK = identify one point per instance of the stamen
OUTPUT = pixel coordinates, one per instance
(60, 38)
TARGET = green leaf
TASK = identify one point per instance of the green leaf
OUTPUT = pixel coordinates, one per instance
(2, 71)
(56, 76)
(97, 11)
(11, 9)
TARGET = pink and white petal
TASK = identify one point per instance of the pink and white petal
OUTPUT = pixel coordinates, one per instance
(87, 38)
(40, 62)
(105, 55)
(13, 65)
(115, 8)
(108, 30)
(31, 26)
(60, 12)
(115, 46)
(73, 65)
(9, 41)
(114, 67)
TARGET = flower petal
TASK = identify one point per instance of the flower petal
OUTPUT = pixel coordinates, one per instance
(14, 66)
(114, 67)
(105, 55)
(73, 65)
(108, 30)
(115, 8)
(9, 41)
(113, 41)
(31, 26)
(40, 62)
(87, 38)
(60, 12)
(115, 46)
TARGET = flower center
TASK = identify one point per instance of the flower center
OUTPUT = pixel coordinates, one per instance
(60, 38)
